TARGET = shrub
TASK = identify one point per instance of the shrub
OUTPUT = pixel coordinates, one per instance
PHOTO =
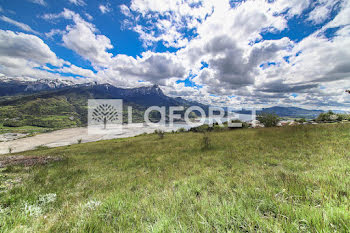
(268, 119)
(330, 116)
(160, 133)
(42, 147)
(200, 129)
(181, 130)
(301, 121)
(13, 123)
(342, 117)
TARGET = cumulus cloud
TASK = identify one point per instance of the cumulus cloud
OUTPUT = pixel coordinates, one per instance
(27, 56)
(21, 54)
(82, 38)
(122, 70)
(154, 67)
(165, 21)
(28, 47)
(220, 47)
(23, 26)
(227, 37)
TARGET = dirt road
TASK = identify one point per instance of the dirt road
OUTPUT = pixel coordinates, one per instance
(71, 136)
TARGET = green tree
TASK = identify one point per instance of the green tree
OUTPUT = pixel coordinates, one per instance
(268, 119)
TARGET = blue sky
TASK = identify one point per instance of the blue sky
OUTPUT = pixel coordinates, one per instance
(234, 52)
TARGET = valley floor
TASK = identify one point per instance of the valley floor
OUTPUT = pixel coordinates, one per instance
(288, 179)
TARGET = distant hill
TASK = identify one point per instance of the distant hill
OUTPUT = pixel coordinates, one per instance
(292, 112)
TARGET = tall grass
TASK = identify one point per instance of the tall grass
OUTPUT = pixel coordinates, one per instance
(293, 179)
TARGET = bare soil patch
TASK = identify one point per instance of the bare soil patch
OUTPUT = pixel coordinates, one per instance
(26, 161)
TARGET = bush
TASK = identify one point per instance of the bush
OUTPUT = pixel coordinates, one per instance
(181, 130)
(330, 116)
(342, 117)
(268, 119)
(200, 129)
(301, 121)
(160, 133)
(13, 123)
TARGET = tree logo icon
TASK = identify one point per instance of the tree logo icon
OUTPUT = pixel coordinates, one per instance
(105, 113)
(105, 116)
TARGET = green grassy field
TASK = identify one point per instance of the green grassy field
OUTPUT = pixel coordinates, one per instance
(292, 179)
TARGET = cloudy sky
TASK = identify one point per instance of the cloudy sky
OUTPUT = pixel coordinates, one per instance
(222, 52)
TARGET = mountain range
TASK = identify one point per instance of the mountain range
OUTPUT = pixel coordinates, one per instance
(54, 103)
(59, 105)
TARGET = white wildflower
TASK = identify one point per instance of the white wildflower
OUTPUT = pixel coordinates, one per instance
(3, 210)
(47, 198)
(32, 210)
(92, 205)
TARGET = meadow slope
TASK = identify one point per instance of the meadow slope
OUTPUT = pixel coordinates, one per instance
(290, 179)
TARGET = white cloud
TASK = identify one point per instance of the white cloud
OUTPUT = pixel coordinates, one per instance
(78, 71)
(322, 11)
(78, 2)
(23, 26)
(67, 14)
(125, 10)
(88, 16)
(172, 21)
(165, 21)
(25, 46)
(82, 38)
(343, 18)
(21, 53)
(104, 9)
(40, 2)
(242, 68)
(27, 56)
(154, 67)
(54, 32)
(234, 65)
